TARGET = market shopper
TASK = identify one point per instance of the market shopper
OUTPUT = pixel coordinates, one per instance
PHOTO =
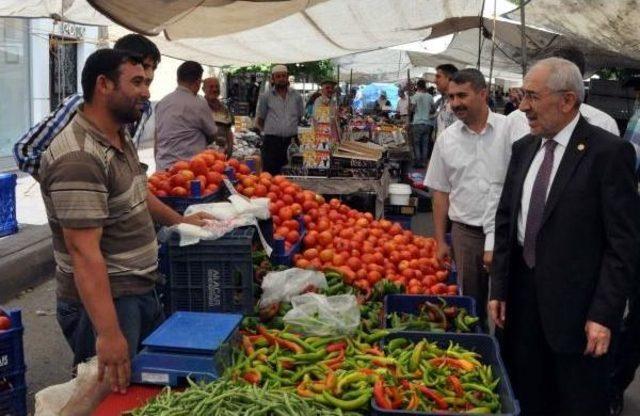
(465, 175)
(566, 251)
(382, 105)
(519, 125)
(29, 148)
(279, 111)
(184, 123)
(325, 109)
(221, 115)
(100, 213)
(402, 107)
(445, 116)
(422, 107)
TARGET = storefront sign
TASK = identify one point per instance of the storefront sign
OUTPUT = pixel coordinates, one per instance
(72, 30)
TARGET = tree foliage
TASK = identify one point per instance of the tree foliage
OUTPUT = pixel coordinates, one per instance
(314, 71)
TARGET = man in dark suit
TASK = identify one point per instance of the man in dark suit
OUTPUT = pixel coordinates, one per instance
(567, 246)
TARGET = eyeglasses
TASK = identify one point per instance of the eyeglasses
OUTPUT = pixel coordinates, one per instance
(536, 96)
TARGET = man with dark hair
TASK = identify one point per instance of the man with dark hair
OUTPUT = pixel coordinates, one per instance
(100, 213)
(29, 148)
(444, 115)
(421, 105)
(518, 121)
(465, 174)
(184, 122)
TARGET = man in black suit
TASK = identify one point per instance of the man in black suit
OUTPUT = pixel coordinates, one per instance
(567, 246)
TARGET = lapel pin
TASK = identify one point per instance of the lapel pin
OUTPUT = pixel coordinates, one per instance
(581, 147)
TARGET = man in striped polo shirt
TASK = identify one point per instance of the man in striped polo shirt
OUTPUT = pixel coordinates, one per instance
(101, 217)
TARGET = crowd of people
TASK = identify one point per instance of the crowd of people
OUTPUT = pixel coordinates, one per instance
(541, 205)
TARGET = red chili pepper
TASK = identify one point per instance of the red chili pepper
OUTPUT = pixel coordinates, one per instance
(442, 405)
(287, 364)
(272, 339)
(374, 351)
(381, 398)
(336, 346)
(246, 343)
(396, 397)
(456, 385)
(405, 383)
(452, 362)
(413, 403)
(252, 376)
(303, 391)
(335, 363)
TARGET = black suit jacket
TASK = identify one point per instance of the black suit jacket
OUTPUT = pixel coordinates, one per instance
(588, 246)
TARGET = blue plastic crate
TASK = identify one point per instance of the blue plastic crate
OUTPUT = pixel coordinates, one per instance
(180, 204)
(486, 346)
(411, 304)
(213, 275)
(11, 348)
(13, 395)
(8, 220)
(403, 220)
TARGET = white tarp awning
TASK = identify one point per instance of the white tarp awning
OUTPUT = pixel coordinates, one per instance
(225, 32)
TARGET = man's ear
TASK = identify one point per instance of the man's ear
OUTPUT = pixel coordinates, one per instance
(103, 84)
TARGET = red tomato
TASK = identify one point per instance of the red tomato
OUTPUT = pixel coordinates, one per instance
(285, 213)
(293, 237)
(325, 238)
(326, 255)
(5, 323)
(198, 166)
(179, 191)
(310, 254)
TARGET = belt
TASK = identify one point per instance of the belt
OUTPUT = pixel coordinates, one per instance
(476, 228)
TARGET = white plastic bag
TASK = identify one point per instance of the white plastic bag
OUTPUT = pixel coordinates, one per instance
(80, 396)
(284, 285)
(315, 314)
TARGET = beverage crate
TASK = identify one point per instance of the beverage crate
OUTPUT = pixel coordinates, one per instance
(403, 220)
(411, 304)
(213, 275)
(486, 346)
(8, 221)
(13, 395)
(11, 348)
(338, 162)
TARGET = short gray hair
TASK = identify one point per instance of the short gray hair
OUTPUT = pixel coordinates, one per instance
(564, 75)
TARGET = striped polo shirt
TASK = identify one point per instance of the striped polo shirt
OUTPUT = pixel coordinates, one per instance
(88, 183)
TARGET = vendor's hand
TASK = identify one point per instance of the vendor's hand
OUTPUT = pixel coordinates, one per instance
(113, 361)
(444, 253)
(598, 338)
(498, 312)
(487, 259)
(199, 219)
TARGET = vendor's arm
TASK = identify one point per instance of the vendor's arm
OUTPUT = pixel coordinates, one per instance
(92, 281)
(164, 215)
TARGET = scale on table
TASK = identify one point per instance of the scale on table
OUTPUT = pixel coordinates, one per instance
(188, 344)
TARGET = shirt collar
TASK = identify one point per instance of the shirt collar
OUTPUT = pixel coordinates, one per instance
(274, 92)
(564, 135)
(97, 134)
(183, 88)
(491, 121)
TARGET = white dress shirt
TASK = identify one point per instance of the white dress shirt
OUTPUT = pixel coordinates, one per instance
(471, 167)
(402, 107)
(519, 125)
(562, 138)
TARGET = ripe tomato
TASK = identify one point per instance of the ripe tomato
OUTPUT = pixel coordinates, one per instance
(338, 260)
(214, 177)
(326, 255)
(198, 166)
(233, 163)
(179, 191)
(354, 263)
(178, 166)
(325, 238)
(244, 169)
(261, 191)
(218, 166)
(287, 199)
(281, 231)
(303, 263)
(285, 213)
(188, 175)
(293, 236)
(296, 208)
(249, 191)
(5, 323)
(310, 240)
(310, 254)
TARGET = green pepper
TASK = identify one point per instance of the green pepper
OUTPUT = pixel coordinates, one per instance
(297, 340)
(348, 379)
(479, 410)
(310, 357)
(376, 335)
(354, 394)
(397, 343)
(477, 387)
(347, 404)
(416, 356)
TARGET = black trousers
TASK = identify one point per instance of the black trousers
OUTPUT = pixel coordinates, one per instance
(544, 381)
(627, 351)
(274, 153)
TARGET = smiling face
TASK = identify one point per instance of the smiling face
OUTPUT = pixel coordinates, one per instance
(126, 98)
(547, 110)
(466, 102)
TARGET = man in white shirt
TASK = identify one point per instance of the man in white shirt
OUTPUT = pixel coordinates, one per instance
(465, 173)
(519, 126)
(402, 108)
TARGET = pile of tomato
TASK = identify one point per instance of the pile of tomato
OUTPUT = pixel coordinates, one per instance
(362, 249)
(208, 167)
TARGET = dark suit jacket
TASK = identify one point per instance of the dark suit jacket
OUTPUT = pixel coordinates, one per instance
(588, 246)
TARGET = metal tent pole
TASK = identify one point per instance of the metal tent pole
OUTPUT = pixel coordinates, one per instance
(493, 44)
(523, 39)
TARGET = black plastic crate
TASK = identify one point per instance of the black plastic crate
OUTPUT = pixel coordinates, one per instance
(347, 162)
(403, 220)
(213, 275)
(486, 346)
(401, 209)
(13, 395)
(362, 201)
(365, 173)
(11, 348)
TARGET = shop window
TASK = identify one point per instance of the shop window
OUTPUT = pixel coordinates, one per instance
(63, 69)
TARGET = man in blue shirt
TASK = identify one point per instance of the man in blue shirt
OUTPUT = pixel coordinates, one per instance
(29, 148)
(422, 104)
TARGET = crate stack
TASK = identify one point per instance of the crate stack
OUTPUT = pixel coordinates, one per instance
(8, 220)
(13, 389)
